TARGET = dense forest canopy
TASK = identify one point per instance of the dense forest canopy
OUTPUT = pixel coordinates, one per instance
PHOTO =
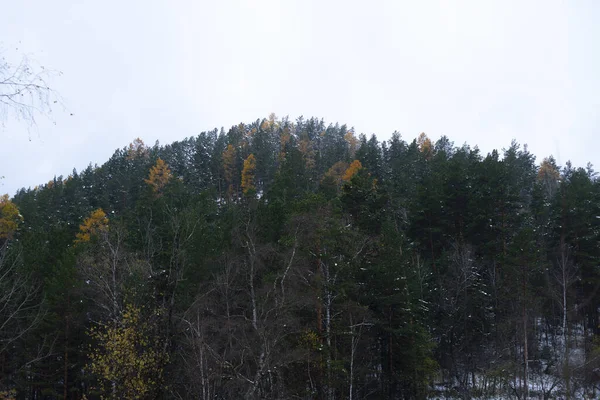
(294, 259)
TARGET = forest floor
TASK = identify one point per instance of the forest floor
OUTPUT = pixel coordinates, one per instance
(547, 378)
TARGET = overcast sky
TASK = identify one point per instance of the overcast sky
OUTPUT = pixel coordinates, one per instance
(482, 72)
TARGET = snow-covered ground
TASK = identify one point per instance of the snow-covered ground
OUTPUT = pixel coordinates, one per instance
(550, 375)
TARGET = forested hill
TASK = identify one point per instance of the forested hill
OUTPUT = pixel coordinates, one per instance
(283, 260)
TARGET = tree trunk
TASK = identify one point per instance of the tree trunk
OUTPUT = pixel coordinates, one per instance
(525, 354)
(567, 368)
(328, 301)
(66, 357)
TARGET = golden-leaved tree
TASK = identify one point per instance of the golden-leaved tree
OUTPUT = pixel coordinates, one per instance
(95, 224)
(9, 217)
(352, 170)
(160, 175)
(128, 358)
(549, 176)
(425, 145)
(332, 179)
(248, 175)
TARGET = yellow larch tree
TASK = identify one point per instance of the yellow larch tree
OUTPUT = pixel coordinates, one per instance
(425, 145)
(160, 175)
(548, 170)
(248, 175)
(9, 217)
(93, 225)
(352, 170)
(549, 176)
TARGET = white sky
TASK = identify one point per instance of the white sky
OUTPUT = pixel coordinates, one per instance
(481, 72)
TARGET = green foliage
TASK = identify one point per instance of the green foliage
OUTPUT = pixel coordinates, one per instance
(282, 259)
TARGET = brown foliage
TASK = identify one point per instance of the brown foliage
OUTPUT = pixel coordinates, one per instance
(229, 163)
(137, 149)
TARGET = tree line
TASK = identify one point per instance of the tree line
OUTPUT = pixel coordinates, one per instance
(295, 259)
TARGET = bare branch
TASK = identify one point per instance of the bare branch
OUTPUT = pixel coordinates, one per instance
(25, 92)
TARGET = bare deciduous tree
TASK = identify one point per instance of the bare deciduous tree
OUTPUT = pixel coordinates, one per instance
(237, 329)
(20, 309)
(25, 92)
